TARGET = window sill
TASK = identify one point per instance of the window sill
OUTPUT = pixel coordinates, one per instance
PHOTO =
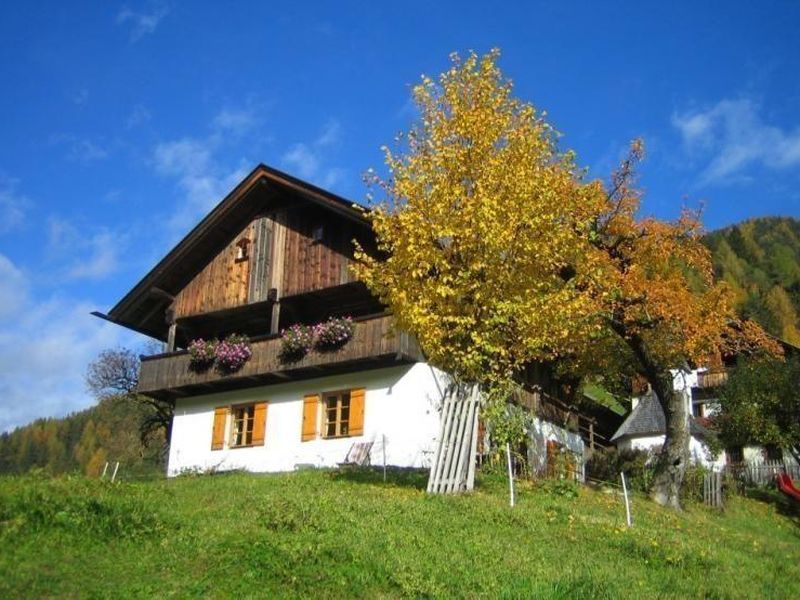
(244, 446)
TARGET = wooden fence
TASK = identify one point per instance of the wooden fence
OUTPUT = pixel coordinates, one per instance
(453, 468)
(712, 489)
(762, 474)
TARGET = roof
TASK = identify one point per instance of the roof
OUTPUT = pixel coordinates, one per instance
(142, 308)
(648, 419)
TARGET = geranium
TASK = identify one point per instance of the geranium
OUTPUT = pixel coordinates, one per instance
(296, 341)
(333, 334)
(202, 353)
(232, 353)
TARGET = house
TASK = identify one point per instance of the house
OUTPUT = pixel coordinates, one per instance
(275, 253)
(644, 427)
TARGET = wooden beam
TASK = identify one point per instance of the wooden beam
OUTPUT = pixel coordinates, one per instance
(275, 319)
(157, 292)
(171, 337)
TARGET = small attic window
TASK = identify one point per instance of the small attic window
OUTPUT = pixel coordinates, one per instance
(317, 234)
(242, 249)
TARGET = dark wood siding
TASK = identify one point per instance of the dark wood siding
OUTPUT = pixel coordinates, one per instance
(223, 283)
(283, 254)
(315, 264)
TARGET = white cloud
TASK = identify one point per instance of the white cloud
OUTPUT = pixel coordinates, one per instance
(12, 205)
(203, 180)
(82, 150)
(235, 121)
(142, 23)
(731, 137)
(307, 160)
(302, 160)
(45, 346)
(83, 254)
(13, 289)
(138, 116)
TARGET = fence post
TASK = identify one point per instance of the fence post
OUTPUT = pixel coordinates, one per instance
(510, 475)
(627, 504)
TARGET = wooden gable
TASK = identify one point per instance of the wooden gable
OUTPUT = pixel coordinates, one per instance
(273, 237)
(282, 253)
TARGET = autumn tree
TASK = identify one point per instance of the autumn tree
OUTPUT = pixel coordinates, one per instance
(114, 374)
(496, 253)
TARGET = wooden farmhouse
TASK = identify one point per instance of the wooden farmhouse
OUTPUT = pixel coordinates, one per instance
(275, 253)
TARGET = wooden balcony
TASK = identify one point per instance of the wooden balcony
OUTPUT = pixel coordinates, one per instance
(712, 378)
(374, 344)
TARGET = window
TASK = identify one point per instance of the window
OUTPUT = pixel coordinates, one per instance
(245, 425)
(342, 414)
(242, 425)
(337, 414)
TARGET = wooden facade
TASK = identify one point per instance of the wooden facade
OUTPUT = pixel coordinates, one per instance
(279, 254)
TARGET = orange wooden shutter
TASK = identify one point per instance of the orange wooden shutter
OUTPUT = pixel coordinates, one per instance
(218, 435)
(259, 423)
(357, 411)
(310, 404)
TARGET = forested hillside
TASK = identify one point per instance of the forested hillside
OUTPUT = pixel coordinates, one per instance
(760, 260)
(83, 442)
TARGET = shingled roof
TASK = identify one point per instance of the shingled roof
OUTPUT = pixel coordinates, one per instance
(648, 419)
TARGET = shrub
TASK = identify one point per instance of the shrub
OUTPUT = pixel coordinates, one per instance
(608, 463)
(202, 354)
(296, 342)
(333, 334)
(232, 353)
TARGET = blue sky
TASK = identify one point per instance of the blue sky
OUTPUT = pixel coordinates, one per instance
(124, 123)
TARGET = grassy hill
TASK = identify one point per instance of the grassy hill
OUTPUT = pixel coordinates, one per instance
(330, 534)
(760, 260)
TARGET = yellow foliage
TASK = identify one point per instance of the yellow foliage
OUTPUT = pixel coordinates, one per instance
(495, 252)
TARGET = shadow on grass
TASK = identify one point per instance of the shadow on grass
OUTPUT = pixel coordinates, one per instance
(395, 476)
(784, 505)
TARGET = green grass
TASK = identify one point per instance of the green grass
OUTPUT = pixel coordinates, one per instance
(329, 534)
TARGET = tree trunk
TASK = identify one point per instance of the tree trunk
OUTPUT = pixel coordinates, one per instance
(674, 455)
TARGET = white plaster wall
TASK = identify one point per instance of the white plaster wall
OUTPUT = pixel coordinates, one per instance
(698, 450)
(540, 432)
(401, 403)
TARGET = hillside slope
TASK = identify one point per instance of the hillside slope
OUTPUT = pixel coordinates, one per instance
(82, 442)
(348, 535)
(760, 260)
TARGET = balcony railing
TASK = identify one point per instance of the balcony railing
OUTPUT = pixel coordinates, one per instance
(374, 343)
(711, 379)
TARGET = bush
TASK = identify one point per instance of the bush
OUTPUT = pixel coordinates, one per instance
(607, 464)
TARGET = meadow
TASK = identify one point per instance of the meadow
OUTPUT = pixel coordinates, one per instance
(335, 534)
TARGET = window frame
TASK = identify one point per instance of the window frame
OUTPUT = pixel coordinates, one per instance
(233, 420)
(339, 394)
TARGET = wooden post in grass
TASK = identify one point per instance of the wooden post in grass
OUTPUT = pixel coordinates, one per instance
(114, 475)
(105, 468)
(510, 475)
(627, 504)
(383, 440)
